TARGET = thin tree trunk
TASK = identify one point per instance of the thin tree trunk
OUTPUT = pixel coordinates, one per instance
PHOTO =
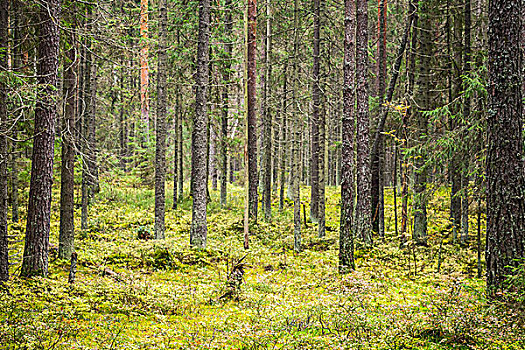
(176, 120)
(180, 167)
(423, 101)
(35, 258)
(267, 122)
(251, 118)
(226, 75)
(316, 91)
(297, 139)
(4, 40)
(466, 116)
(377, 157)
(161, 127)
(67, 176)
(284, 135)
(144, 69)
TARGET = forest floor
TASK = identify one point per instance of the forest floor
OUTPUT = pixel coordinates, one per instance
(145, 294)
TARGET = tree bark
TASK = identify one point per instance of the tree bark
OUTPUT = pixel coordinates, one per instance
(144, 69)
(226, 76)
(346, 236)
(422, 103)
(377, 156)
(161, 127)
(251, 110)
(199, 228)
(364, 205)
(4, 40)
(505, 178)
(35, 258)
(314, 163)
(67, 177)
(296, 176)
(267, 121)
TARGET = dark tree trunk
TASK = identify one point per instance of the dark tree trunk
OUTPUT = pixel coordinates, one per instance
(35, 258)
(346, 236)
(161, 127)
(505, 179)
(67, 176)
(4, 40)
(199, 228)
(250, 106)
(377, 156)
(364, 206)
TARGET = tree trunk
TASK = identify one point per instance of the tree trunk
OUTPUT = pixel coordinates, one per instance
(316, 91)
(199, 228)
(346, 236)
(226, 75)
(267, 122)
(180, 177)
(144, 69)
(67, 177)
(423, 103)
(466, 116)
(176, 150)
(251, 118)
(296, 167)
(283, 135)
(35, 258)
(377, 156)
(505, 178)
(364, 206)
(4, 40)
(161, 127)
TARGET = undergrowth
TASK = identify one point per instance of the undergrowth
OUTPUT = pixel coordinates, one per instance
(133, 293)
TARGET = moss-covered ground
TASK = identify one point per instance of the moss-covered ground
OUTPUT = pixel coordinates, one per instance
(148, 294)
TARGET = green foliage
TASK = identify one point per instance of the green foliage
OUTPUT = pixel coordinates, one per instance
(164, 294)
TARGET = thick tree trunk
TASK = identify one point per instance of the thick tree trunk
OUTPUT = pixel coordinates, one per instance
(161, 127)
(346, 236)
(4, 40)
(67, 176)
(364, 205)
(35, 258)
(199, 228)
(505, 178)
